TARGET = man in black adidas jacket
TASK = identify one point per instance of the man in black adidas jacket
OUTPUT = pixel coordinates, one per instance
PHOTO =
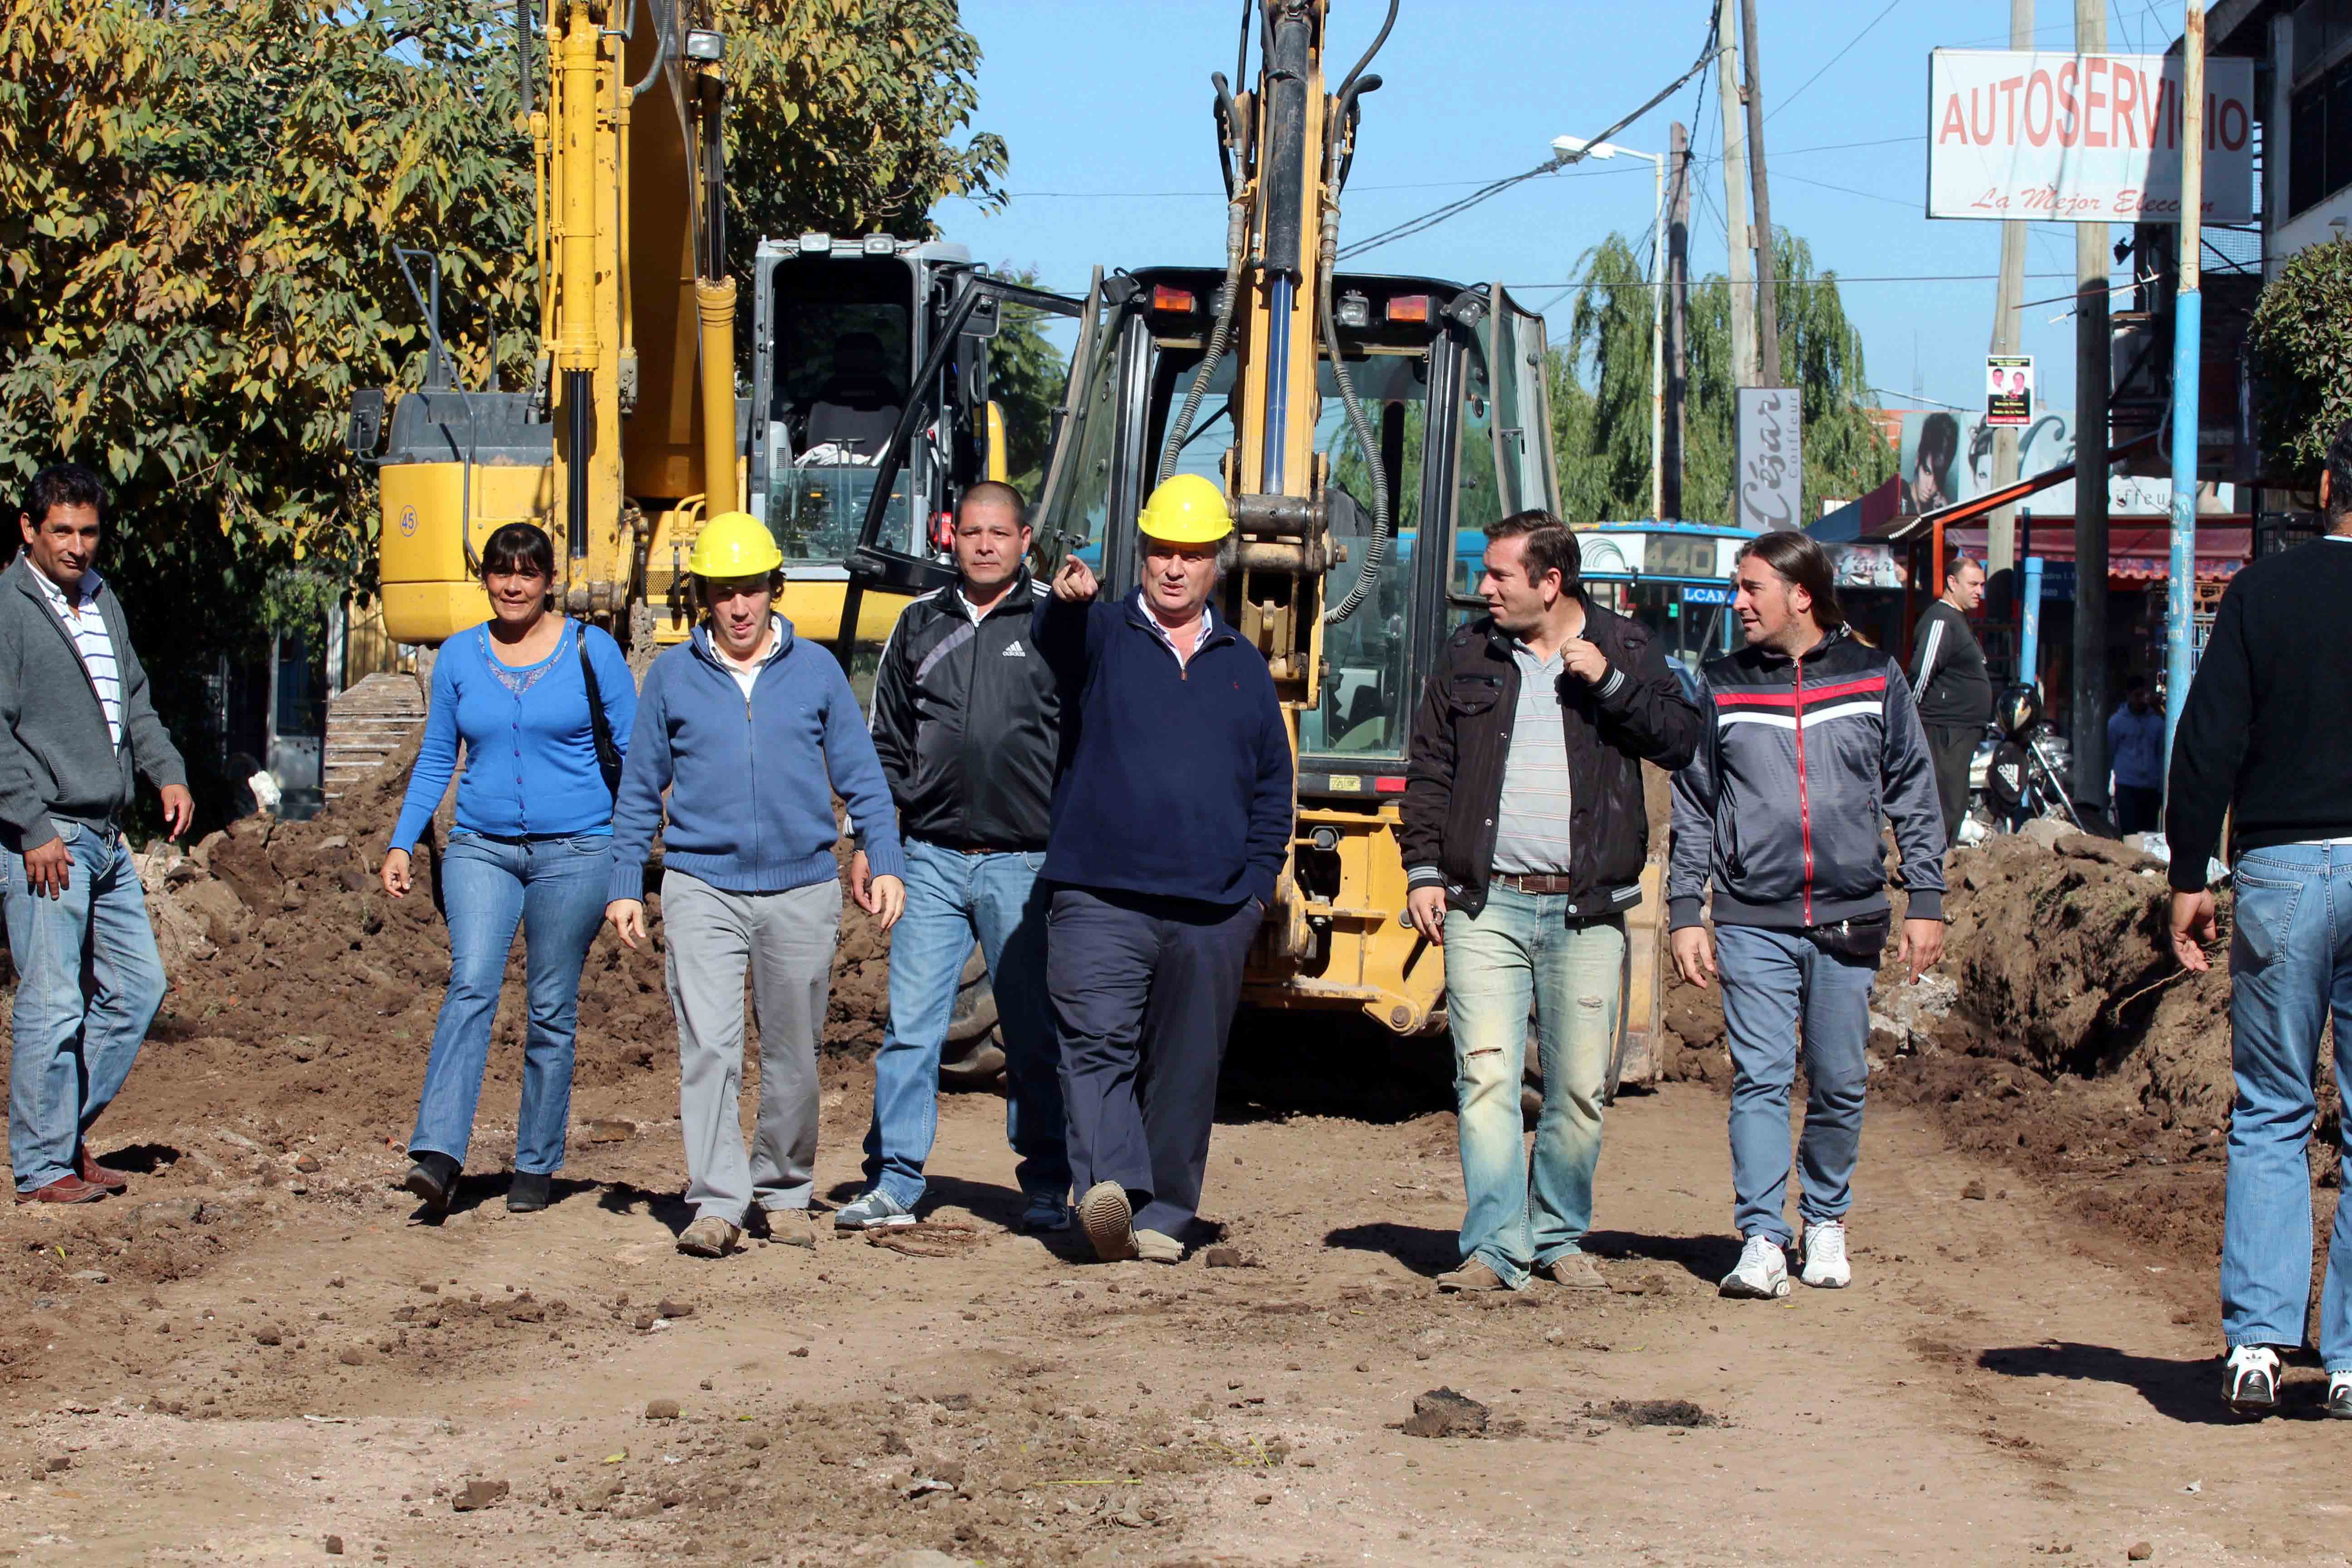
(967, 721)
(1811, 738)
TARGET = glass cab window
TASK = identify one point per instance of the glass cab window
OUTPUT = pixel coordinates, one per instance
(844, 346)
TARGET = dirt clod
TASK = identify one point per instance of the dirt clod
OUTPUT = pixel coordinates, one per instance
(661, 1409)
(1228, 1258)
(1974, 1191)
(335, 1545)
(1653, 1412)
(2140, 1552)
(478, 1494)
(671, 1307)
(609, 1131)
(1443, 1413)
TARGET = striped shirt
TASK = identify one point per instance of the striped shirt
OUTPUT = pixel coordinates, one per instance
(1531, 826)
(87, 626)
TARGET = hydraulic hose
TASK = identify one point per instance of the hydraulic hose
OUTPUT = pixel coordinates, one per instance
(1219, 337)
(1375, 553)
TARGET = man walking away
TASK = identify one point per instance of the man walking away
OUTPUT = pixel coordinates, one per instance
(967, 721)
(2265, 740)
(76, 723)
(1171, 824)
(1954, 693)
(752, 732)
(1810, 738)
(1525, 834)
(2135, 744)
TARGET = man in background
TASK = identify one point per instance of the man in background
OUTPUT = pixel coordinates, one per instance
(1953, 691)
(2135, 745)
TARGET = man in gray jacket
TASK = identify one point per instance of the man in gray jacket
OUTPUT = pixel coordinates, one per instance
(75, 724)
(1810, 739)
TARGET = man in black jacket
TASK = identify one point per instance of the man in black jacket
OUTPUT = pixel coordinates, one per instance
(1949, 683)
(967, 721)
(2265, 740)
(1525, 834)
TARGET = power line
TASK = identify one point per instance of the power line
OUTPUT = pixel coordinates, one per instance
(1834, 60)
(1432, 219)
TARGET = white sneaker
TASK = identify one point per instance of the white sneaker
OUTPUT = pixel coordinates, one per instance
(2250, 1382)
(1825, 1262)
(1762, 1274)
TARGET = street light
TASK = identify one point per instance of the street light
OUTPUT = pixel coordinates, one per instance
(1575, 149)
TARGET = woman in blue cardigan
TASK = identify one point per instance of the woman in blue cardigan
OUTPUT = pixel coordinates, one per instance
(533, 848)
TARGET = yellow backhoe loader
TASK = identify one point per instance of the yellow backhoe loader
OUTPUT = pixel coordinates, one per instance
(1366, 429)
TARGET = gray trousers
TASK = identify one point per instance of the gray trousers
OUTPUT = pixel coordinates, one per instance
(785, 941)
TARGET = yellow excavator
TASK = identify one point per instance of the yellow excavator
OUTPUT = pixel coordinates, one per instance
(632, 431)
(1365, 429)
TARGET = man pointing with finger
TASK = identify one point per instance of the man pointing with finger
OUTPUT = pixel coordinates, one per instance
(1808, 737)
(1171, 821)
(1525, 836)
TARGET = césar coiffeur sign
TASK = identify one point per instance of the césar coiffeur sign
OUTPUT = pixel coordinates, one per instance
(2025, 134)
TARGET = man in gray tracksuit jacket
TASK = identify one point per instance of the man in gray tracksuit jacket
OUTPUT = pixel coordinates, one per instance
(1811, 737)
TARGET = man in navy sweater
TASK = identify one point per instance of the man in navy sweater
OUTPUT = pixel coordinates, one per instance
(1171, 820)
(752, 732)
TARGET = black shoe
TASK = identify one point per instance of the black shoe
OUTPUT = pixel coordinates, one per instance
(433, 1179)
(530, 1191)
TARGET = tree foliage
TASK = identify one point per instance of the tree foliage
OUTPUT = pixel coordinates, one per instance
(2301, 341)
(1600, 390)
(199, 203)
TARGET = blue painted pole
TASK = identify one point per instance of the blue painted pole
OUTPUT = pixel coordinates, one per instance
(2180, 588)
(2187, 343)
(2029, 644)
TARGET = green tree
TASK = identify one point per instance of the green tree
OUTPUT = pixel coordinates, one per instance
(199, 203)
(1600, 390)
(1025, 376)
(2301, 340)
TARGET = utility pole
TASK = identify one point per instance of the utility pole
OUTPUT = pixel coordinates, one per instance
(2187, 343)
(1768, 308)
(2091, 372)
(2000, 544)
(1670, 500)
(1734, 198)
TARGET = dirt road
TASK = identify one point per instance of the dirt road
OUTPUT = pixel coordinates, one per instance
(2001, 1381)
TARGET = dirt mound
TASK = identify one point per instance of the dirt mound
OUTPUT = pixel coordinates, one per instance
(297, 981)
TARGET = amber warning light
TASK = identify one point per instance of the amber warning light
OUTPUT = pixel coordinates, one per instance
(1175, 301)
(1409, 307)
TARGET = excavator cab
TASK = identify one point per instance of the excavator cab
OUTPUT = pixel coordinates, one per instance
(871, 415)
(1450, 382)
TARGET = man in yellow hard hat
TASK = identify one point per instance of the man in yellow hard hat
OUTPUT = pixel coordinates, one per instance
(1171, 819)
(752, 732)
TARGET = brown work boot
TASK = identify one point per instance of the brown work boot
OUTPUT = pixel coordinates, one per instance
(87, 1167)
(1573, 1271)
(1472, 1276)
(66, 1189)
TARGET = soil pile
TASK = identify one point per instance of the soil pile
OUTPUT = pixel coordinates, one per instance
(294, 971)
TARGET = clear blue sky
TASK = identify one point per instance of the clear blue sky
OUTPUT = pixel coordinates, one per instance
(1105, 105)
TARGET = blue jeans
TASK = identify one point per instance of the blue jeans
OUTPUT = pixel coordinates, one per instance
(951, 898)
(1522, 950)
(75, 1039)
(554, 889)
(1772, 980)
(2290, 964)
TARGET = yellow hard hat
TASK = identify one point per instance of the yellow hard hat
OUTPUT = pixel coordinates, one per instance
(734, 544)
(1186, 509)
